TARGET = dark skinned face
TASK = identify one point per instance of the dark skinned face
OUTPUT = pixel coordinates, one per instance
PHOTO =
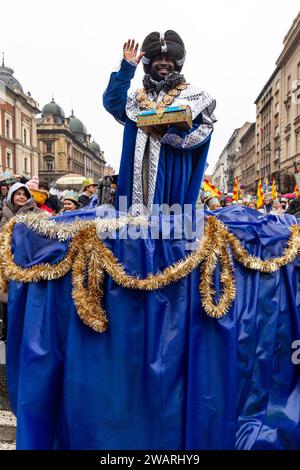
(161, 67)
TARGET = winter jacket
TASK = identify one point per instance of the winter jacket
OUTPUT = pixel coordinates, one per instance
(10, 210)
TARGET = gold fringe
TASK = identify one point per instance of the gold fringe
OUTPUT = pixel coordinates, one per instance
(89, 259)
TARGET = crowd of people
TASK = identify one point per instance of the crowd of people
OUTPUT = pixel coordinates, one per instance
(21, 196)
(276, 206)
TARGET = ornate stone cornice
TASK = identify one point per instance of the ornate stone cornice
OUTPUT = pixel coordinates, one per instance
(291, 42)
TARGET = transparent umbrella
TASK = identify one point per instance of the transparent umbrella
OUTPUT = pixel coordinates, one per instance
(70, 181)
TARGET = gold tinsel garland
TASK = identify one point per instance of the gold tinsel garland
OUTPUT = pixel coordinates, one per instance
(39, 272)
(219, 251)
(89, 259)
(88, 299)
(268, 265)
(46, 226)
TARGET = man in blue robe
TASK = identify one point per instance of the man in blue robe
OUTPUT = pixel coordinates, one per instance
(163, 164)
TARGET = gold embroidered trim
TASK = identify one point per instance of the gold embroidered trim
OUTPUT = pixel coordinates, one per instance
(168, 98)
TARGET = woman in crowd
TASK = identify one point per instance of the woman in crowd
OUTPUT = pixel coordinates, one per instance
(19, 200)
(251, 204)
(277, 208)
(70, 202)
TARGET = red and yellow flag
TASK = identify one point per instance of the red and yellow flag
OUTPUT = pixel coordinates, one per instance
(260, 195)
(296, 189)
(235, 195)
(208, 186)
(274, 189)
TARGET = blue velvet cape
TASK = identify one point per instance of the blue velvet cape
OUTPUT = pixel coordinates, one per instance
(164, 375)
(180, 171)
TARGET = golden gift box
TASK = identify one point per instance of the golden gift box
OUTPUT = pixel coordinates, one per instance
(180, 116)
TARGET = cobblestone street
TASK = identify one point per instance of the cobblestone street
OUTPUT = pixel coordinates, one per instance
(7, 419)
(2, 353)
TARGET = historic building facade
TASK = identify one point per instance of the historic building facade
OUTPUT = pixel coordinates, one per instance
(289, 64)
(109, 170)
(247, 159)
(268, 123)
(220, 173)
(278, 116)
(274, 149)
(230, 163)
(66, 147)
(18, 142)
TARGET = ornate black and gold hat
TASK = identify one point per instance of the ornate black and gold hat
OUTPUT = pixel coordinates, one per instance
(169, 43)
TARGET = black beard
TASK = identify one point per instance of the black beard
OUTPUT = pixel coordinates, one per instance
(166, 84)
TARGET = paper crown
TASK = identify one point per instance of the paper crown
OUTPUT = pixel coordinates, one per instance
(72, 196)
(88, 182)
(7, 178)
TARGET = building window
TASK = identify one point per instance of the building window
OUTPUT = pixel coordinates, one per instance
(7, 128)
(297, 135)
(49, 164)
(25, 165)
(288, 147)
(25, 136)
(8, 160)
(48, 147)
(288, 83)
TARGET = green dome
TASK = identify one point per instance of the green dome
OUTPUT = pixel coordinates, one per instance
(95, 147)
(6, 76)
(54, 109)
(76, 126)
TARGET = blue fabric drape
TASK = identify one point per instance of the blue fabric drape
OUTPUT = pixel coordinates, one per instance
(164, 375)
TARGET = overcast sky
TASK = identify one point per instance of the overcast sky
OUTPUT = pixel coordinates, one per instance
(68, 48)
